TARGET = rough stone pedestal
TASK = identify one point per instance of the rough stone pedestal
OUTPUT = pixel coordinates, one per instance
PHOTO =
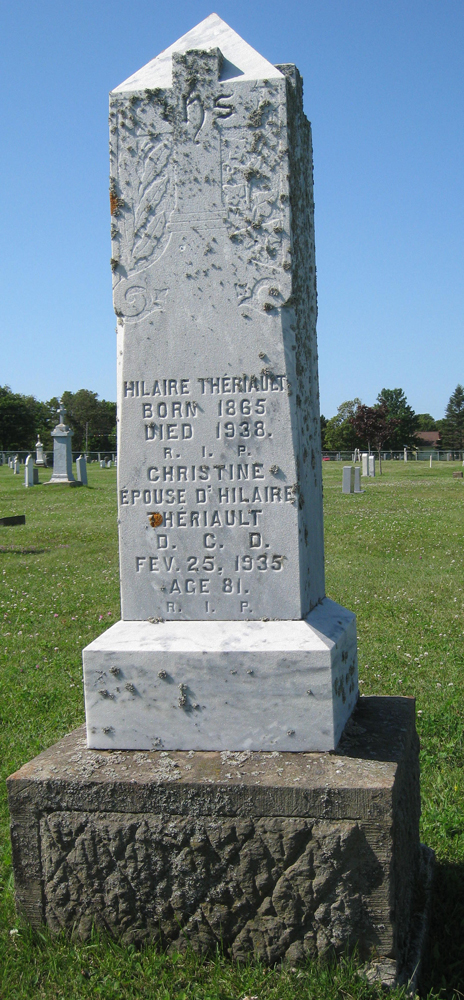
(275, 854)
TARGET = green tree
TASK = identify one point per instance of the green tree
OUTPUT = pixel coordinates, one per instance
(323, 424)
(339, 433)
(107, 425)
(17, 420)
(45, 420)
(452, 427)
(92, 420)
(425, 422)
(373, 425)
(402, 419)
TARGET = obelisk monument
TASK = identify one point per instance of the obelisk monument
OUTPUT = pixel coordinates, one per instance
(227, 639)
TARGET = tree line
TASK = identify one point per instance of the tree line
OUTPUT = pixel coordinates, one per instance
(391, 424)
(24, 418)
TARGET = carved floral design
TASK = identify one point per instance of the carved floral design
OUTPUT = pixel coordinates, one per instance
(144, 182)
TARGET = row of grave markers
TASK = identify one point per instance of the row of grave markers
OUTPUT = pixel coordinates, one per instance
(62, 459)
(351, 481)
(31, 470)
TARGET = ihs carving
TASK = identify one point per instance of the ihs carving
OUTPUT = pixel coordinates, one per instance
(202, 155)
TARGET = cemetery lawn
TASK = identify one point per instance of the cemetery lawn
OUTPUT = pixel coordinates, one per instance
(394, 555)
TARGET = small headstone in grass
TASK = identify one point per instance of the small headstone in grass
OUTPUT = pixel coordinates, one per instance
(29, 471)
(102, 463)
(16, 465)
(62, 452)
(357, 481)
(219, 466)
(372, 465)
(81, 468)
(405, 454)
(365, 463)
(12, 520)
(348, 479)
(458, 475)
(39, 454)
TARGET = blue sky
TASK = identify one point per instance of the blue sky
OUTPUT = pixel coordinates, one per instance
(384, 92)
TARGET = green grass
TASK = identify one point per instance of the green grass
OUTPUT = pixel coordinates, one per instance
(394, 555)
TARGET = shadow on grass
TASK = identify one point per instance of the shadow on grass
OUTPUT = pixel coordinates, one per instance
(22, 550)
(443, 968)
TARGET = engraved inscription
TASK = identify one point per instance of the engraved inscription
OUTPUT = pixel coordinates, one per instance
(211, 539)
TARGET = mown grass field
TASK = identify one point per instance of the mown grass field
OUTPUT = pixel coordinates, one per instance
(393, 554)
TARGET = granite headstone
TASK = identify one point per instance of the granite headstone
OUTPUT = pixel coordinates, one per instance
(62, 452)
(348, 479)
(81, 469)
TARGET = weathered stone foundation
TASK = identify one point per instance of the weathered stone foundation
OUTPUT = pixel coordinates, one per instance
(274, 854)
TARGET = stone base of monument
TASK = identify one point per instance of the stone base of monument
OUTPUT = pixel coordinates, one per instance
(273, 855)
(226, 685)
(58, 481)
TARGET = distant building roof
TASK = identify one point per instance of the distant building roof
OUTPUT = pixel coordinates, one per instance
(432, 438)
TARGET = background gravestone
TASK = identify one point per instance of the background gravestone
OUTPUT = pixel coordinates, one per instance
(29, 471)
(39, 452)
(81, 469)
(348, 479)
(62, 452)
(227, 639)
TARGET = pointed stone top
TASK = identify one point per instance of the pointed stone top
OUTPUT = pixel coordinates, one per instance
(241, 62)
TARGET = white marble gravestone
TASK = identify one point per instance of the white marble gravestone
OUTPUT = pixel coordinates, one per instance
(29, 471)
(62, 452)
(227, 640)
(39, 453)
